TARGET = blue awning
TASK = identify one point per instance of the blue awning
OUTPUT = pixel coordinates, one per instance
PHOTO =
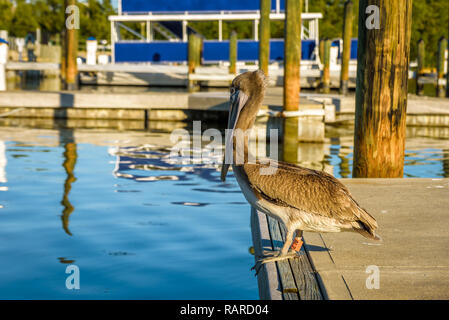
(140, 6)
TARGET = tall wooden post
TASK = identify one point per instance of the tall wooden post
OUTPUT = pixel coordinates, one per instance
(382, 83)
(194, 57)
(420, 70)
(264, 35)
(321, 50)
(292, 54)
(447, 73)
(447, 77)
(346, 56)
(193, 52)
(71, 53)
(63, 43)
(326, 76)
(233, 52)
(442, 45)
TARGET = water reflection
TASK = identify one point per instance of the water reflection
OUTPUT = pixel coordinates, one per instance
(70, 156)
(425, 157)
(3, 162)
(151, 163)
(66, 138)
(446, 163)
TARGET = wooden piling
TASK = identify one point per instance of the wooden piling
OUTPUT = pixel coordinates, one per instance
(447, 73)
(71, 54)
(325, 77)
(442, 45)
(194, 57)
(292, 54)
(321, 50)
(346, 56)
(233, 52)
(421, 64)
(264, 35)
(447, 77)
(63, 43)
(381, 91)
(191, 53)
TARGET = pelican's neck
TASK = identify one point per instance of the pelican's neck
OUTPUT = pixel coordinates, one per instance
(243, 129)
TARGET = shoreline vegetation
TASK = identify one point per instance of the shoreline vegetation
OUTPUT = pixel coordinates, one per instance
(20, 17)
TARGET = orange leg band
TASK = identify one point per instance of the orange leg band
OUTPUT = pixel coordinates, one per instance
(297, 244)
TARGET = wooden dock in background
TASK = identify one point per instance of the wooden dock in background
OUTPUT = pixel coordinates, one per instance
(181, 106)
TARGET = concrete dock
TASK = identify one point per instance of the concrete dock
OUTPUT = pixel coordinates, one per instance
(209, 75)
(132, 106)
(412, 260)
(337, 109)
(175, 75)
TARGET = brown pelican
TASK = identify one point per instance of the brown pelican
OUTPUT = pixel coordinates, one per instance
(300, 198)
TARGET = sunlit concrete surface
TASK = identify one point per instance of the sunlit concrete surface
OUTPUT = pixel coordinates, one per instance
(413, 258)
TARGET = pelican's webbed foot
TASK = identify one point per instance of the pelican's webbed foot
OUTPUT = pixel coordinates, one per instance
(274, 256)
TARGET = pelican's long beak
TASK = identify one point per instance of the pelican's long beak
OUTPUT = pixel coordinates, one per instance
(237, 102)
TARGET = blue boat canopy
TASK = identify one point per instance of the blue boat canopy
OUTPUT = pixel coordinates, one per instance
(143, 6)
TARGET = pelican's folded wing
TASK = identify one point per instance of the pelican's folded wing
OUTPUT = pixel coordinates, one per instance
(309, 190)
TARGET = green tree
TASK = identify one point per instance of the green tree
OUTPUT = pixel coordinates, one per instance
(5, 14)
(331, 26)
(23, 20)
(49, 15)
(94, 19)
(430, 22)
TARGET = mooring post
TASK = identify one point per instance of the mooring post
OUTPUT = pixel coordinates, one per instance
(264, 35)
(325, 77)
(347, 34)
(191, 53)
(447, 76)
(233, 52)
(321, 51)
(72, 48)
(447, 72)
(442, 45)
(200, 45)
(194, 57)
(295, 128)
(381, 91)
(62, 39)
(420, 70)
(3, 60)
(292, 54)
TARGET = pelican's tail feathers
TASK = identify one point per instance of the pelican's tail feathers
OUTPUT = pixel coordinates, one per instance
(367, 226)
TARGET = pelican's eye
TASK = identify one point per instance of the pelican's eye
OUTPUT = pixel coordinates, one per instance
(232, 90)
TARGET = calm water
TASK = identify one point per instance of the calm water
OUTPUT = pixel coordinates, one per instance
(136, 224)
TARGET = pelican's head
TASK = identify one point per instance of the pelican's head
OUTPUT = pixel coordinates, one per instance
(247, 92)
